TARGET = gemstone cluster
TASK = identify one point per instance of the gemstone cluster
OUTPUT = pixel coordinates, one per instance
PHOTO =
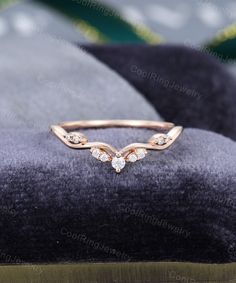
(159, 139)
(76, 138)
(100, 154)
(118, 161)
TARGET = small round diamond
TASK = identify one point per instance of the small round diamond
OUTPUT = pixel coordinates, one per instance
(104, 157)
(118, 163)
(69, 137)
(140, 152)
(96, 152)
(132, 157)
(73, 138)
(76, 139)
(161, 140)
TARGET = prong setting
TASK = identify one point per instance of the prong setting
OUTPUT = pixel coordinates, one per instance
(118, 163)
(76, 138)
(100, 154)
(159, 139)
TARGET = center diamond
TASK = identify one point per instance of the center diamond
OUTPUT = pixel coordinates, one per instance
(118, 163)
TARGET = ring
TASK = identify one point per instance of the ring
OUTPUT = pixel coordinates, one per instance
(104, 152)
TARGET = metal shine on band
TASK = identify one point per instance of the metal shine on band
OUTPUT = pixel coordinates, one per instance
(104, 152)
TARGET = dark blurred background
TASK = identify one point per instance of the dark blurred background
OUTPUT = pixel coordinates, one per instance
(194, 23)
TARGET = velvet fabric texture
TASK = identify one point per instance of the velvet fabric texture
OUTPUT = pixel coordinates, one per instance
(58, 204)
(186, 86)
(45, 80)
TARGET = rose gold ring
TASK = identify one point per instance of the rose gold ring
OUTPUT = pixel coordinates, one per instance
(104, 152)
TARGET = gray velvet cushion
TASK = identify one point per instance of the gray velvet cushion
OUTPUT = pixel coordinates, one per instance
(46, 80)
(60, 204)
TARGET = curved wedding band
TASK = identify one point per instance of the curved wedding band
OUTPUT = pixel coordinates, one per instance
(104, 152)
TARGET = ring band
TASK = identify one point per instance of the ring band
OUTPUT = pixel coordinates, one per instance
(106, 153)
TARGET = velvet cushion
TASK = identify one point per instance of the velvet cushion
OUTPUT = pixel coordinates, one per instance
(59, 204)
(46, 80)
(186, 86)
